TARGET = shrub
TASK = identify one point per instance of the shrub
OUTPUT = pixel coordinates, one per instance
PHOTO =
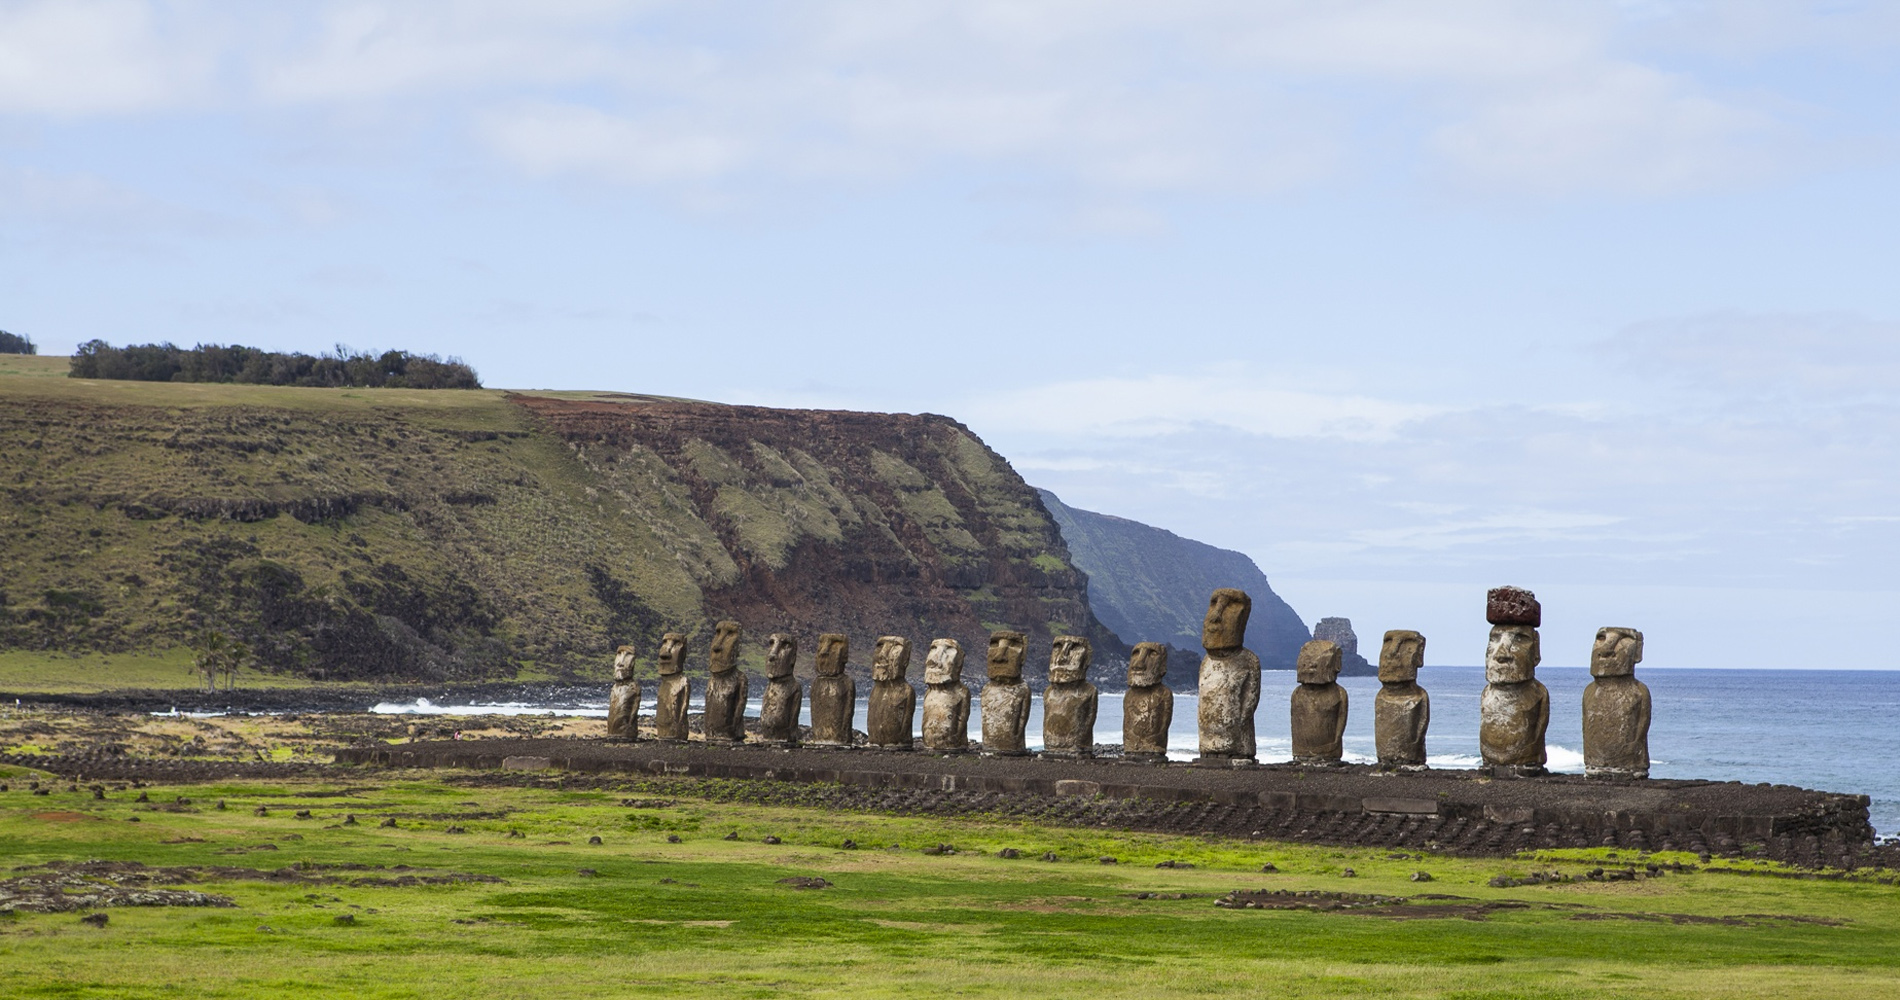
(339, 369)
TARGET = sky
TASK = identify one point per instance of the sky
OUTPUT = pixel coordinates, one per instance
(1402, 300)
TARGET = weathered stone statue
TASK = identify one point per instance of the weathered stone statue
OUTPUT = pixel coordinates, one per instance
(1514, 710)
(1006, 697)
(1319, 705)
(946, 699)
(1230, 679)
(834, 695)
(669, 711)
(1148, 707)
(893, 706)
(725, 687)
(1616, 708)
(623, 700)
(1069, 702)
(780, 701)
(1402, 710)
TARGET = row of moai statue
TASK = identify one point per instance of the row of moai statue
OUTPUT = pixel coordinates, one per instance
(1514, 708)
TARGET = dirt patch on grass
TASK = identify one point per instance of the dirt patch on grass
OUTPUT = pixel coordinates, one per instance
(62, 817)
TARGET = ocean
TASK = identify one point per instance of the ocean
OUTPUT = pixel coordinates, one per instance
(1836, 730)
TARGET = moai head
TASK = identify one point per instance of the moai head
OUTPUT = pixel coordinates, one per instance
(833, 651)
(623, 664)
(1512, 655)
(673, 653)
(725, 647)
(1147, 664)
(1069, 660)
(781, 654)
(1318, 662)
(944, 663)
(1400, 656)
(1617, 652)
(890, 661)
(1225, 627)
(1006, 655)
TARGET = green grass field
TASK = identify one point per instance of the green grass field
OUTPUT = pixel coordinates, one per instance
(709, 917)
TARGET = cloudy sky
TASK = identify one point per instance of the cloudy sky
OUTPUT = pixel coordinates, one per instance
(1404, 300)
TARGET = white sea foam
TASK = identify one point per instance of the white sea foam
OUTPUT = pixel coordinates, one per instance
(423, 706)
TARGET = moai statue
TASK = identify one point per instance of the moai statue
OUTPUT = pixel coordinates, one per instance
(779, 704)
(1319, 705)
(1148, 707)
(1514, 711)
(1616, 708)
(725, 687)
(669, 712)
(1230, 680)
(834, 695)
(946, 699)
(1402, 709)
(623, 700)
(893, 701)
(1069, 702)
(1006, 698)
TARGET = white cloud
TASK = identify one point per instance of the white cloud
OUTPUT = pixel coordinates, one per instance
(1819, 357)
(65, 58)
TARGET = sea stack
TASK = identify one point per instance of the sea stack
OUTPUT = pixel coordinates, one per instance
(1514, 711)
(1616, 708)
(1402, 710)
(1229, 681)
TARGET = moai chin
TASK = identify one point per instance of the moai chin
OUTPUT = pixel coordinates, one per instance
(780, 701)
(1005, 702)
(1148, 707)
(1319, 705)
(725, 687)
(1070, 701)
(623, 699)
(1229, 681)
(1514, 710)
(1616, 708)
(669, 709)
(946, 699)
(1402, 710)
(834, 695)
(893, 703)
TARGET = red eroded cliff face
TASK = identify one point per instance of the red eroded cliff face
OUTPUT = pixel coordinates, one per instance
(812, 521)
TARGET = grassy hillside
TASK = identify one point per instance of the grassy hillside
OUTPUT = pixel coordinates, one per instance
(387, 533)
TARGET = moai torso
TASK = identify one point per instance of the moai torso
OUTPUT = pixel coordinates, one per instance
(1069, 702)
(725, 687)
(669, 710)
(623, 700)
(1006, 698)
(893, 702)
(1616, 708)
(946, 699)
(1514, 710)
(1319, 705)
(1230, 679)
(834, 695)
(782, 698)
(1402, 710)
(1148, 707)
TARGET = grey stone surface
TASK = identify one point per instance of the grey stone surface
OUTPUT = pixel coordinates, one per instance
(1069, 702)
(623, 699)
(669, 710)
(1318, 705)
(1006, 699)
(1148, 707)
(783, 696)
(1616, 708)
(726, 687)
(1229, 680)
(891, 712)
(1402, 711)
(946, 699)
(1514, 710)
(834, 695)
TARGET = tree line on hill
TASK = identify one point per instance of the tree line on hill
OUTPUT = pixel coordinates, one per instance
(13, 343)
(339, 369)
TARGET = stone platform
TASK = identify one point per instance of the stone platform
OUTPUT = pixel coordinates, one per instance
(1441, 809)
